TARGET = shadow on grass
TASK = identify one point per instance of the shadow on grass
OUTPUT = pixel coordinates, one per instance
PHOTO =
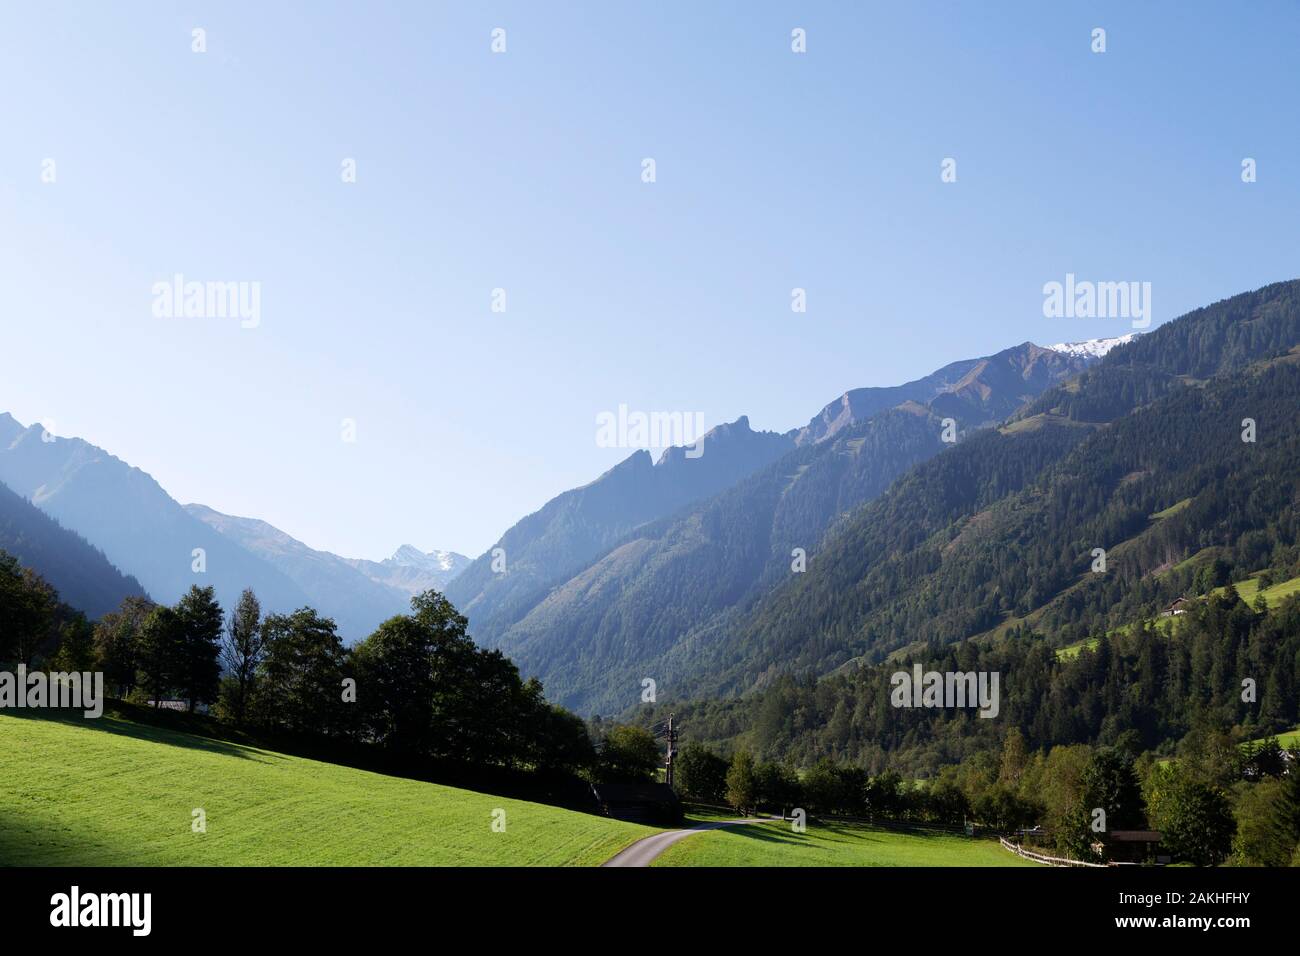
(858, 831)
(25, 840)
(841, 828)
(122, 727)
(768, 833)
(834, 831)
(557, 788)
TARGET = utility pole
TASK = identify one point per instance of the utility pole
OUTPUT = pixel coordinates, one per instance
(672, 751)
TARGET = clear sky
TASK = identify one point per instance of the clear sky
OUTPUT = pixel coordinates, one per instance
(522, 171)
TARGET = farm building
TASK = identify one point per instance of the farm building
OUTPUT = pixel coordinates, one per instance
(1134, 846)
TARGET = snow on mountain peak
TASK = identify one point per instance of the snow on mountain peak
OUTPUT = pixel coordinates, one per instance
(412, 557)
(1093, 348)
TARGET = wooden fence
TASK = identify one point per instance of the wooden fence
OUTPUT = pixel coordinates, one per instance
(1043, 858)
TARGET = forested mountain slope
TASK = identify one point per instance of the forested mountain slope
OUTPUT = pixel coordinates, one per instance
(1005, 524)
(662, 589)
(550, 545)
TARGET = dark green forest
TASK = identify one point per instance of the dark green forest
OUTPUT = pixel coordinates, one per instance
(1150, 684)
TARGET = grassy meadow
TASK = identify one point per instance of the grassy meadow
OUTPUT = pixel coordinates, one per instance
(1288, 740)
(838, 844)
(1248, 590)
(113, 792)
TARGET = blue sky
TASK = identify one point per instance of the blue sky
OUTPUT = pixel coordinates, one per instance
(522, 171)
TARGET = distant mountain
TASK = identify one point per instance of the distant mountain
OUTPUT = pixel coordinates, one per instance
(10, 430)
(125, 513)
(859, 404)
(1093, 348)
(663, 588)
(411, 570)
(550, 545)
(358, 594)
(990, 388)
(80, 573)
(1141, 455)
(340, 588)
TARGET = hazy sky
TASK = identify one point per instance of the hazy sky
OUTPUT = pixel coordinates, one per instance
(523, 171)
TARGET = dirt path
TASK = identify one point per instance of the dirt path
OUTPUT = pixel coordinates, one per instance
(645, 850)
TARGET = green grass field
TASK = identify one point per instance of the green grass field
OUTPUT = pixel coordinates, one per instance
(1287, 740)
(1248, 589)
(1071, 651)
(841, 844)
(701, 814)
(1171, 510)
(113, 792)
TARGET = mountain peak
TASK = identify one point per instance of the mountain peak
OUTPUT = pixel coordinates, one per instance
(738, 434)
(1093, 348)
(10, 429)
(975, 391)
(409, 556)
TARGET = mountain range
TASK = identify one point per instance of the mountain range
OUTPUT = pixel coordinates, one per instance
(1142, 455)
(593, 627)
(356, 593)
(125, 515)
(550, 545)
(411, 570)
(625, 574)
(1166, 470)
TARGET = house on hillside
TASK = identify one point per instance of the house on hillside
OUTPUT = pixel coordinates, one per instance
(1178, 607)
(654, 803)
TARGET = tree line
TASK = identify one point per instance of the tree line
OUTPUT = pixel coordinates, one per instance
(418, 688)
(1151, 723)
(1216, 802)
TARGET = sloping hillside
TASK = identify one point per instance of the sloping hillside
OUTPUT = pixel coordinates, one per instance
(115, 793)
